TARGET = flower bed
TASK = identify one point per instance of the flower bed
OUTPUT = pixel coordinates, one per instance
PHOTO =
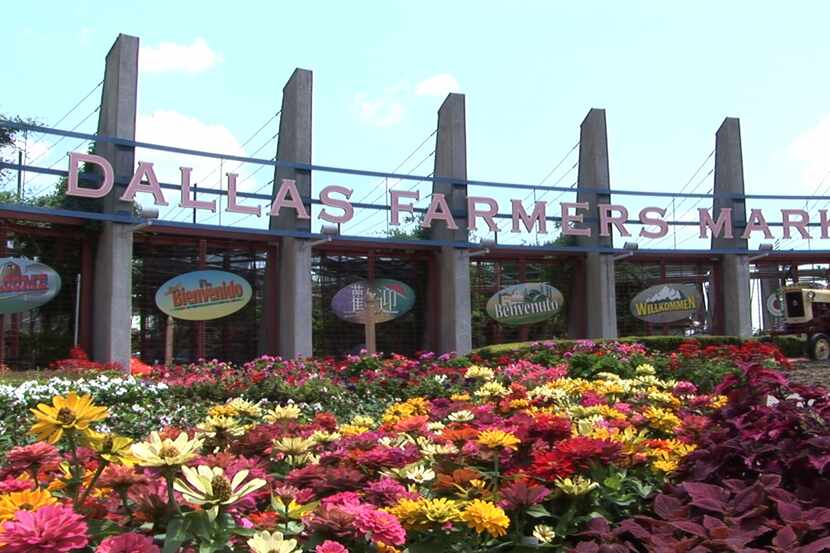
(556, 448)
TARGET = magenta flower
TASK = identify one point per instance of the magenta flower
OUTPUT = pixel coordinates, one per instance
(130, 542)
(380, 526)
(50, 529)
(330, 546)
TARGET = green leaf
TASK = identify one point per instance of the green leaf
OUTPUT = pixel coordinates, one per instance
(538, 511)
(175, 536)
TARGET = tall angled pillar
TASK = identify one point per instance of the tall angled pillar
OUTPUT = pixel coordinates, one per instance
(453, 265)
(732, 299)
(286, 326)
(593, 312)
(112, 310)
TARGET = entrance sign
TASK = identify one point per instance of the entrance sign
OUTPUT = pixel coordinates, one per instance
(523, 304)
(666, 303)
(203, 295)
(479, 208)
(26, 284)
(392, 299)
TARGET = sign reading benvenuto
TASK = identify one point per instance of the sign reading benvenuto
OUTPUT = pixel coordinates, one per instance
(482, 208)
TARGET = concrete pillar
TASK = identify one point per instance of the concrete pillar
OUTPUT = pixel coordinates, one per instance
(112, 310)
(597, 305)
(733, 292)
(292, 291)
(453, 297)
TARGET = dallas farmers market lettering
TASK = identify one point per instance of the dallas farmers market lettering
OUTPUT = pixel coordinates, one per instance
(206, 294)
(482, 208)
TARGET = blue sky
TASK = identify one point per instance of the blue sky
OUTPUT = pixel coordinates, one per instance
(667, 75)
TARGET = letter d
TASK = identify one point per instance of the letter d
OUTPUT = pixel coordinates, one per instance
(72, 187)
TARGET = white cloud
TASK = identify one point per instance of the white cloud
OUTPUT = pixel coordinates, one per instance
(384, 111)
(437, 85)
(171, 128)
(170, 56)
(812, 149)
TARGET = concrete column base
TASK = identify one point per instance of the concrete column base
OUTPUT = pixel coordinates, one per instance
(294, 304)
(455, 311)
(734, 293)
(113, 308)
(600, 296)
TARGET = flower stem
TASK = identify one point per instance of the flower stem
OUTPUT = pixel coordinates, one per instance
(101, 466)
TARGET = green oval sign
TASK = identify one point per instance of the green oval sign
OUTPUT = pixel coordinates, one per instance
(203, 295)
(666, 303)
(524, 304)
(392, 299)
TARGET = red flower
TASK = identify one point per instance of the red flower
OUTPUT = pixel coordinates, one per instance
(582, 452)
(128, 543)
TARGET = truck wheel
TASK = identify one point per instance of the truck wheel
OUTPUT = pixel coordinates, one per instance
(819, 345)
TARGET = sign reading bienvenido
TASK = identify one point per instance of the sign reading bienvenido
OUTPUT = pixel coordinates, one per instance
(26, 284)
(666, 303)
(203, 295)
(394, 298)
(523, 304)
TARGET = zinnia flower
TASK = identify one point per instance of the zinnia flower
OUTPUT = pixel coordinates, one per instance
(27, 500)
(210, 487)
(330, 546)
(498, 439)
(130, 542)
(483, 516)
(271, 542)
(32, 457)
(114, 449)
(380, 526)
(50, 529)
(71, 413)
(165, 453)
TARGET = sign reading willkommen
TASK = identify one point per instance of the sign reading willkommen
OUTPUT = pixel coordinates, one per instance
(666, 303)
(523, 304)
(26, 284)
(203, 295)
(392, 299)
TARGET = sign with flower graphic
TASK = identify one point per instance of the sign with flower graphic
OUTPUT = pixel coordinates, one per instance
(26, 284)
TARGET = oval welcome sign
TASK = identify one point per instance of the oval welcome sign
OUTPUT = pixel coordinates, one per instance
(203, 295)
(523, 304)
(394, 298)
(666, 303)
(26, 284)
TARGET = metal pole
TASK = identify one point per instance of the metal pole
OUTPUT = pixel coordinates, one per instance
(19, 175)
(77, 305)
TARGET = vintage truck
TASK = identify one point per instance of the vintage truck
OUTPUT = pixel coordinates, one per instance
(807, 311)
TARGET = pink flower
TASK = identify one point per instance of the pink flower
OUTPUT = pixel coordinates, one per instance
(128, 543)
(380, 526)
(329, 546)
(50, 529)
(31, 457)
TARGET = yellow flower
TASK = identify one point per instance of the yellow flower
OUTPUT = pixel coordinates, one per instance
(544, 533)
(115, 449)
(492, 389)
(70, 413)
(576, 485)
(363, 420)
(221, 427)
(460, 397)
(271, 542)
(352, 430)
(476, 371)
(665, 465)
(322, 437)
(208, 486)
(463, 415)
(292, 509)
(439, 510)
(484, 516)
(409, 408)
(166, 453)
(293, 445)
(407, 511)
(27, 500)
(718, 401)
(661, 419)
(495, 439)
(280, 413)
(645, 369)
(244, 408)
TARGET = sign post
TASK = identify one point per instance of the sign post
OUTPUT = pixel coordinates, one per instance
(168, 341)
(371, 307)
